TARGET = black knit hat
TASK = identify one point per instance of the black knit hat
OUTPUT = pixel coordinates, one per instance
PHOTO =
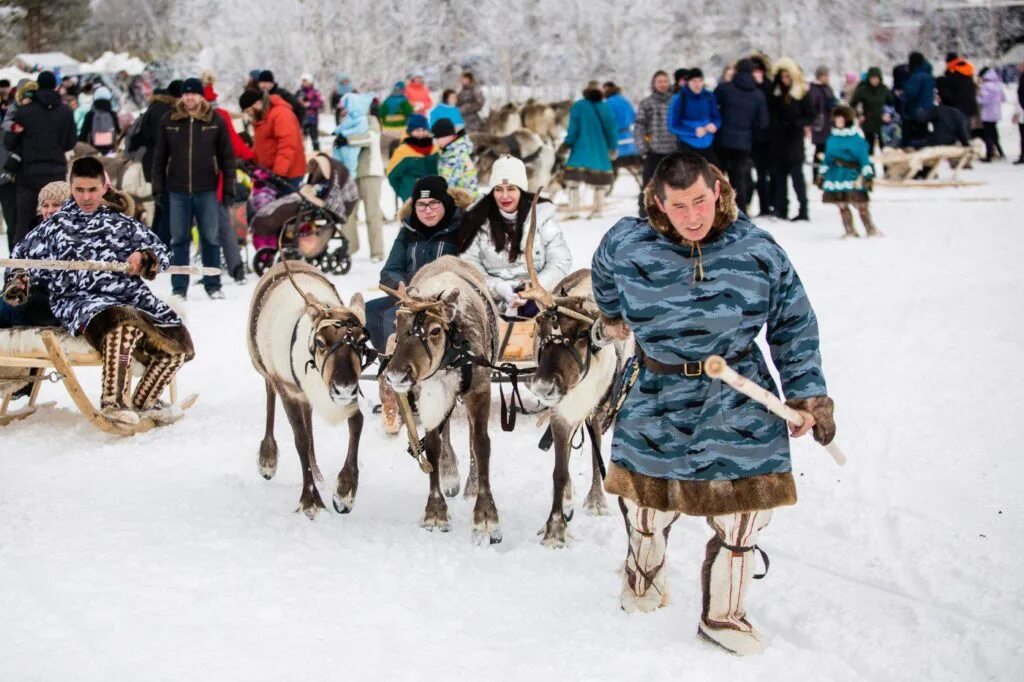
(432, 187)
(193, 85)
(443, 127)
(745, 66)
(4, 83)
(696, 73)
(174, 88)
(46, 80)
(682, 75)
(266, 76)
(248, 98)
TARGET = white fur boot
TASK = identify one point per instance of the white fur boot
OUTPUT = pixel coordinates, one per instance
(573, 191)
(644, 583)
(599, 194)
(726, 576)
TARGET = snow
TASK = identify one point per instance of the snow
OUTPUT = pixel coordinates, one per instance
(167, 557)
(113, 62)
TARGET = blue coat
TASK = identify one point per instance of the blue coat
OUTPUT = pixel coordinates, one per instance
(695, 429)
(625, 115)
(688, 111)
(449, 112)
(919, 93)
(743, 109)
(592, 135)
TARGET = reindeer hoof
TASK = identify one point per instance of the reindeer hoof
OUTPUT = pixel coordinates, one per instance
(555, 533)
(596, 506)
(268, 458)
(343, 503)
(452, 491)
(484, 536)
(567, 515)
(310, 510)
(443, 525)
(310, 503)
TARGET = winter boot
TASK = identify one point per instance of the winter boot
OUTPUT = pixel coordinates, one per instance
(869, 224)
(725, 577)
(644, 583)
(599, 193)
(158, 377)
(574, 201)
(847, 215)
(802, 216)
(118, 346)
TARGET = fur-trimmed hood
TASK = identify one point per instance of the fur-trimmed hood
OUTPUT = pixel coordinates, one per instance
(163, 98)
(799, 88)
(119, 201)
(179, 113)
(726, 213)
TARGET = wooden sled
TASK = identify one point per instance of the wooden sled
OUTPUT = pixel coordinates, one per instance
(902, 166)
(26, 348)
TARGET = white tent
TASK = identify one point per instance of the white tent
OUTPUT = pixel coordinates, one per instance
(14, 74)
(46, 61)
(112, 62)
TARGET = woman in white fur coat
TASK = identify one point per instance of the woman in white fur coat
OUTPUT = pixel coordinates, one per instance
(493, 238)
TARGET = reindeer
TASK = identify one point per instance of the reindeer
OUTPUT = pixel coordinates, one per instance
(537, 155)
(504, 121)
(310, 350)
(446, 336)
(574, 379)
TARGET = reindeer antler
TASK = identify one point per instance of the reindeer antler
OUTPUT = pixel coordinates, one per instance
(321, 309)
(408, 302)
(534, 292)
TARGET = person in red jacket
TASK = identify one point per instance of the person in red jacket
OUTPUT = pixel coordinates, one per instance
(278, 143)
(418, 94)
(228, 238)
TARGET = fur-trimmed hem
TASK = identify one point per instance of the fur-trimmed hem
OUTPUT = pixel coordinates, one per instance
(173, 340)
(589, 176)
(702, 498)
(726, 212)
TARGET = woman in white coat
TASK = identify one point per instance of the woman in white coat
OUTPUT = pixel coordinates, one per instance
(493, 236)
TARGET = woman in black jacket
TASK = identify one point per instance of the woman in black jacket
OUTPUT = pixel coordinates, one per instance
(789, 112)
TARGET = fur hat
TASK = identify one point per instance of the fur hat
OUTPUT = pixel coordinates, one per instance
(46, 80)
(417, 121)
(443, 127)
(192, 86)
(847, 113)
(27, 89)
(59, 191)
(509, 170)
(248, 98)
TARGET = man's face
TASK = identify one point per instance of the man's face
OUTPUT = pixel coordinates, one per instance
(419, 133)
(444, 141)
(265, 86)
(87, 193)
(823, 78)
(191, 100)
(759, 76)
(256, 110)
(662, 83)
(692, 210)
(465, 82)
(874, 81)
(429, 211)
(695, 85)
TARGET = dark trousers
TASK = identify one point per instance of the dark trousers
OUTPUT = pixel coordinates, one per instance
(9, 207)
(991, 136)
(737, 164)
(874, 141)
(819, 156)
(381, 314)
(12, 315)
(162, 221)
(26, 199)
(228, 240)
(763, 165)
(183, 207)
(1020, 128)
(651, 161)
(313, 130)
(781, 172)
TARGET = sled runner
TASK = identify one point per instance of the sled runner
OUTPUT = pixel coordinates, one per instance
(23, 349)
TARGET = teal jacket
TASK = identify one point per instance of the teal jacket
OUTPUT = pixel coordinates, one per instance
(592, 135)
(847, 161)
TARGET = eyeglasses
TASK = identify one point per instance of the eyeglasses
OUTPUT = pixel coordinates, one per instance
(428, 205)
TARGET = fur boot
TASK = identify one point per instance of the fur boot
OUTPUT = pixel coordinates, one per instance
(847, 215)
(869, 225)
(573, 191)
(118, 346)
(644, 584)
(725, 578)
(599, 194)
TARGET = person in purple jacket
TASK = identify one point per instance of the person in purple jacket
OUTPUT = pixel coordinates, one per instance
(990, 98)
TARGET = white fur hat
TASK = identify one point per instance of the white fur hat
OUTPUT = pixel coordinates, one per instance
(509, 170)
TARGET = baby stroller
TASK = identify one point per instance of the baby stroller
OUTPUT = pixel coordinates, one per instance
(307, 224)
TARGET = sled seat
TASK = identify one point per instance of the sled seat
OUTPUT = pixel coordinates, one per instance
(901, 166)
(23, 349)
(516, 336)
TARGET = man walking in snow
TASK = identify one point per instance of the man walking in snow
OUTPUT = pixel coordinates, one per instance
(695, 279)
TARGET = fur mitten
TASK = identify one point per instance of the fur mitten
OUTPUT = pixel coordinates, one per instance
(820, 408)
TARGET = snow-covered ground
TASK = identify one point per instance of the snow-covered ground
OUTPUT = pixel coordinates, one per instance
(167, 557)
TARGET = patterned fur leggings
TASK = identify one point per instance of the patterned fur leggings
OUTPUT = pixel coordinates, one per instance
(118, 348)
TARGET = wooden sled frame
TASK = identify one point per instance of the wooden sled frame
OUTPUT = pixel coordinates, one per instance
(900, 169)
(57, 359)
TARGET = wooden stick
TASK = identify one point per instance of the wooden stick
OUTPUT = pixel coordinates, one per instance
(414, 439)
(100, 266)
(717, 368)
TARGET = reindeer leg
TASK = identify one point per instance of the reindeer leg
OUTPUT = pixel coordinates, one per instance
(449, 463)
(472, 483)
(268, 447)
(308, 418)
(436, 515)
(486, 527)
(348, 477)
(300, 416)
(555, 529)
(595, 504)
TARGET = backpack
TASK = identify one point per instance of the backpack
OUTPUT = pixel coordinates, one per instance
(135, 149)
(103, 129)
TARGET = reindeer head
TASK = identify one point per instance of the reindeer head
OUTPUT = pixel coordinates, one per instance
(337, 344)
(424, 336)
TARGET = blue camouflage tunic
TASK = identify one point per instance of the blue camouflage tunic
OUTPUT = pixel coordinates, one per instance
(77, 296)
(694, 429)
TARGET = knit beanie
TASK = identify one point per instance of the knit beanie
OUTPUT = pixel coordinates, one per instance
(509, 170)
(46, 80)
(55, 191)
(417, 121)
(174, 88)
(266, 76)
(430, 187)
(248, 98)
(443, 127)
(192, 86)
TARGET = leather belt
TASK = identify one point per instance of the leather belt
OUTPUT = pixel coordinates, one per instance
(692, 369)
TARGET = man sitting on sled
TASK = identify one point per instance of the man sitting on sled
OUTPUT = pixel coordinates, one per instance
(117, 312)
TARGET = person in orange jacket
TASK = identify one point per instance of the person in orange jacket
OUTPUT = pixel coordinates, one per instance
(228, 238)
(277, 142)
(418, 94)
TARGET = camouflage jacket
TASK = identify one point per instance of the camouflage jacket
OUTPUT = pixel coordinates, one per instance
(455, 164)
(677, 427)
